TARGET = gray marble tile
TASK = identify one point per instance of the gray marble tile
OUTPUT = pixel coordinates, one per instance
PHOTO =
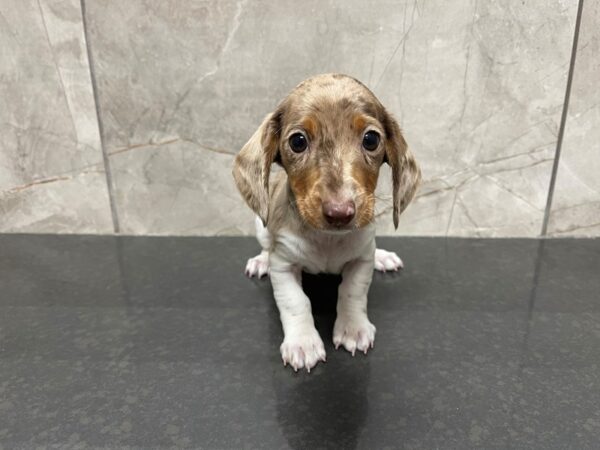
(576, 203)
(178, 187)
(51, 173)
(477, 86)
(479, 91)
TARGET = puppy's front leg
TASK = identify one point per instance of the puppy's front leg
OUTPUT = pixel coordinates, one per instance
(352, 327)
(302, 346)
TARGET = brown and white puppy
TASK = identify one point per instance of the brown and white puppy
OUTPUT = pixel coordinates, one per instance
(330, 135)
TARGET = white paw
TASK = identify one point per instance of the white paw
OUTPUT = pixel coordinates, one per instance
(385, 260)
(259, 265)
(304, 349)
(354, 332)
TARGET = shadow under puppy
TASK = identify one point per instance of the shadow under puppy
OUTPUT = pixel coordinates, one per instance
(330, 135)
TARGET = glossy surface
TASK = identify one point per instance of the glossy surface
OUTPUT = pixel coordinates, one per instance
(162, 342)
(576, 202)
(478, 88)
(52, 175)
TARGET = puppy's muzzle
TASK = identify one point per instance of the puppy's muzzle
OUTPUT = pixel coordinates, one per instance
(339, 214)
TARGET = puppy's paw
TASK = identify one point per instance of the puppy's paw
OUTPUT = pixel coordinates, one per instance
(354, 332)
(385, 261)
(258, 266)
(303, 349)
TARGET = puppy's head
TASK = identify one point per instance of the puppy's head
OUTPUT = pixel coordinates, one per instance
(331, 136)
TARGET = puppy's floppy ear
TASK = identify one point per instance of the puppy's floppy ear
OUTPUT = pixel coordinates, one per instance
(252, 165)
(406, 174)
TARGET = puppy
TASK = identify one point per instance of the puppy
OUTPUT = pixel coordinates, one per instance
(330, 135)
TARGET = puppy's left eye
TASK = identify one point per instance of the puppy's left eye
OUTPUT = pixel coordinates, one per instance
(370, 140)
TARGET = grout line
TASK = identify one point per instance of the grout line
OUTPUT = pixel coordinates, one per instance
(105, 157)
(563, 121)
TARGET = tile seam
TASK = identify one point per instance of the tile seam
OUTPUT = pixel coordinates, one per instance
(563, 122)
(105, 157)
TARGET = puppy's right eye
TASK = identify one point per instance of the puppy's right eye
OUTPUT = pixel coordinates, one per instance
(298, 142)
(371, 140)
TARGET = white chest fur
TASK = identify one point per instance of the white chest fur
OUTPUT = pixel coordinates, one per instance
(322, 252)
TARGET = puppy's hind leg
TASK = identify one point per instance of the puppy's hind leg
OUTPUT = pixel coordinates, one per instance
(387, 261)
(259, 265)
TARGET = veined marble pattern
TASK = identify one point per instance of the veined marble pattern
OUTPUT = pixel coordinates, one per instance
(51, 172)
(178, 187)
(576, 204)
(477, 86)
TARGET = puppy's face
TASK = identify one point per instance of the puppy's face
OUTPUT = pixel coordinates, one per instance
(332, 145)
(331, 135)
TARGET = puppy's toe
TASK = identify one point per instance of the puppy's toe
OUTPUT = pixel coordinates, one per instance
(353, 332)
(363, 342)
(303, 350)
(258, 266)
(387, 261)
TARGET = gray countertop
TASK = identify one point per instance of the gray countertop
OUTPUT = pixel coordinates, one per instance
(162, 342)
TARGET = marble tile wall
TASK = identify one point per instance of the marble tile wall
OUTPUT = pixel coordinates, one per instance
(576, 203)
(52, 175)
(477, 85)
(479, 88)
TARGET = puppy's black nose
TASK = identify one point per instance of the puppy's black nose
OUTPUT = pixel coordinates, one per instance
(338, 213)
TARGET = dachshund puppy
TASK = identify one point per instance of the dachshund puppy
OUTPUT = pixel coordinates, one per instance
(330, 135)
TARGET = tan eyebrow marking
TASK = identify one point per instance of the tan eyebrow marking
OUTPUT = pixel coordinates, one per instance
(310, 125)
(359, 122)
